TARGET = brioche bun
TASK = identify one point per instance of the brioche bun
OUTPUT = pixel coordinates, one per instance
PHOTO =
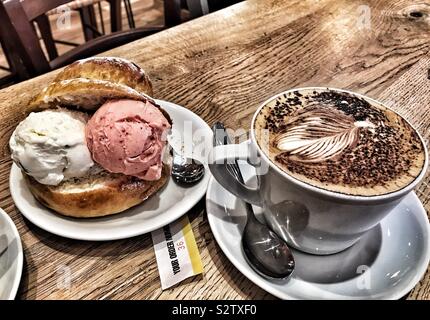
(86, 85)
(96, 195)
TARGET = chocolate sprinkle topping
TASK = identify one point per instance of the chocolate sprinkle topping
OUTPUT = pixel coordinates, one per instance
(383, 152)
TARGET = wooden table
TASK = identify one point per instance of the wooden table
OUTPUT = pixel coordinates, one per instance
(222, 66)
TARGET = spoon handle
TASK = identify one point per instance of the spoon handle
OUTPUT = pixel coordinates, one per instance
(221, 138)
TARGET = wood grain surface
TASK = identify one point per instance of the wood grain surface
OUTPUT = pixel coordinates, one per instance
(222, 66)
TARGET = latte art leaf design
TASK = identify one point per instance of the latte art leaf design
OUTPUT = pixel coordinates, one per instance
(316, 134)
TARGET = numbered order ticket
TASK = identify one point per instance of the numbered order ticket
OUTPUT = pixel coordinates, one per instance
(176, 252)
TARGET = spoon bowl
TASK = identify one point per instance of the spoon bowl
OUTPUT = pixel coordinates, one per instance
(186, 171)
(267, 254)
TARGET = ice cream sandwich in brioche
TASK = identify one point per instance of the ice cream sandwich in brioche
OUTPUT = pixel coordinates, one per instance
(98, 146)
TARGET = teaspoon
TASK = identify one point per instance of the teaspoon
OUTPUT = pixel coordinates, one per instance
(186, 170)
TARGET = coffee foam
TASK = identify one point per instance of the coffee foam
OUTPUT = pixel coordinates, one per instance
(340, 142)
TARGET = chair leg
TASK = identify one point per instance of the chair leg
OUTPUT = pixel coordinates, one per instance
(172, 12)
(46, 33)
(87, 15)
(129, 12)
(102, 22)
(115, 15)
(197, 8)
(92, 14)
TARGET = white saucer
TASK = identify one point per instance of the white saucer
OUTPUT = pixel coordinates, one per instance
(162, 208)
(385, 264)
(11, 257)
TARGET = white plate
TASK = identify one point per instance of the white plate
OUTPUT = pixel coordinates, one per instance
(162, 208)
(11, 257)
(385, 264)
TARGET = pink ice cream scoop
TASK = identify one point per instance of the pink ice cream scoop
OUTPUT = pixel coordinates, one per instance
(128, 137)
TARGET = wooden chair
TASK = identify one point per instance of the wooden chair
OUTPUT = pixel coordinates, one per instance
(26, 54)
(17, 18)
(88, 16)
(86, 11)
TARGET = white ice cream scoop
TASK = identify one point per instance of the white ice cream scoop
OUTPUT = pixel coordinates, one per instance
(50, 146)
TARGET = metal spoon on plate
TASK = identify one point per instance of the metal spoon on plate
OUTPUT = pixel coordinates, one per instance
(186, 171)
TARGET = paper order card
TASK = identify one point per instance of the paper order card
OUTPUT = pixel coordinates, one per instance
(176, 252)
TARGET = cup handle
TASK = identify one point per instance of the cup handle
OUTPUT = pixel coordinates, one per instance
(221, 157)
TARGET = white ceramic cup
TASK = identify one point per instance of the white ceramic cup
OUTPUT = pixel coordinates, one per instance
(333, 221)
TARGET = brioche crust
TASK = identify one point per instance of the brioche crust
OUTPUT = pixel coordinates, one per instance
(96, 195)
(110, 69)
(88, 94)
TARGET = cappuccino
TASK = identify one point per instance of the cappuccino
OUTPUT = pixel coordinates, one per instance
(339, 142)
